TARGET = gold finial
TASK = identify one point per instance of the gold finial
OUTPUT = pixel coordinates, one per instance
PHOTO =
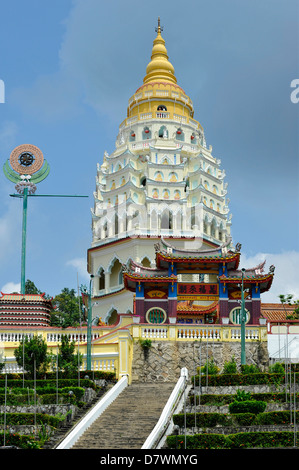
(160, 28)
(159, 67)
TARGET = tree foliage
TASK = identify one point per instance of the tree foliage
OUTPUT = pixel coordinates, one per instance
(288, 300)
(68, 310)
(67, 306)
(68, 360)
(33, 354)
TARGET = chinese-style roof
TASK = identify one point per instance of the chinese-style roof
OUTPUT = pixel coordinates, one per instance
(24, 298)
(188, 307)
(196, 252)
(135, 273)
(276, 312)
(264, 281)
(217, 255)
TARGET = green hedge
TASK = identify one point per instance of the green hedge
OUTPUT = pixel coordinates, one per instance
(225, 399)
(86, 383)
(240, 379)
(232, 441)
(43, 395)
(209, 420)
(29, 419)
(97, 375)
(202, 419)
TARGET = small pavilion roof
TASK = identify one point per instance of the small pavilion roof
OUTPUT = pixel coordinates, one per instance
(189, 307)
(276, 313)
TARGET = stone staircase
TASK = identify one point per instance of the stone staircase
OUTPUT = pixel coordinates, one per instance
(62, 431)
(129, 420)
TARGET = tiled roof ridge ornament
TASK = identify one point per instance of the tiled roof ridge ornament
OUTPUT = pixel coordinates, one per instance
(272, 269)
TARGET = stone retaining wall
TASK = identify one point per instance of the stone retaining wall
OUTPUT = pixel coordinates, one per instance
(163, 361)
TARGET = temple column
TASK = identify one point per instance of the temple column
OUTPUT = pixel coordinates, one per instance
(107, 282)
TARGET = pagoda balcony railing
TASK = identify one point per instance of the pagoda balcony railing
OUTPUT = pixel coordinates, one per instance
(162, 115)
(180, 118)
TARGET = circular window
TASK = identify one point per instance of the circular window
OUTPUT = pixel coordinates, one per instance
(156, 315)
(235, 316)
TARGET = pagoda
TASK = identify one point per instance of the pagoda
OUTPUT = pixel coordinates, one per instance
(25, 310)
(160, 181)
(162, 297)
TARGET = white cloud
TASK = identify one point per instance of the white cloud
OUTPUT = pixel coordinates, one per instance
(11, 287)
(285, 276)
(94, 64)
(80, 265)
(8, 134)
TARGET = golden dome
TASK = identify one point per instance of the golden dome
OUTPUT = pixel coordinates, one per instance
(159, 67)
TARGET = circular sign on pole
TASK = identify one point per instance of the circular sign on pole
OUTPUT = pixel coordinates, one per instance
(26, 159)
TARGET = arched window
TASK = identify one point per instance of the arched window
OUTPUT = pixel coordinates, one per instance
(132, 136)
(146, 133)
(101, 279)
(161, 107)
(116, 276)
(166, 220)
(193, 138)
(112, 317)
(213, 228)
(180, 135)
(163, 132)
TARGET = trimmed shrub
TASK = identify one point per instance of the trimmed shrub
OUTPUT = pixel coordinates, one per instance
(197, 441)
(248, 406)
(203, 420)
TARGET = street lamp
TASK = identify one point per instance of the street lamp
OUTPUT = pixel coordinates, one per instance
(242, 321)
(87, 293)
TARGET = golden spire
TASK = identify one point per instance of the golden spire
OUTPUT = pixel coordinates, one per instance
(159, 68)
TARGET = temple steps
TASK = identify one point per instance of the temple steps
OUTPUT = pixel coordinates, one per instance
(129, 420)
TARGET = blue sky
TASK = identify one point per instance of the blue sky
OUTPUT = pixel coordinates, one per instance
(69, 68)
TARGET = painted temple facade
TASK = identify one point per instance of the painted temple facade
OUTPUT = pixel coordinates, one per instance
(160, 181)
(161, 296)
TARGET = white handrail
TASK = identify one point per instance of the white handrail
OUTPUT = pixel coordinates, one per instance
(167, 413)
(93, 414)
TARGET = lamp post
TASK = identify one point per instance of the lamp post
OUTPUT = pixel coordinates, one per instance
(87, 293)
(242, 321)
(26, 167)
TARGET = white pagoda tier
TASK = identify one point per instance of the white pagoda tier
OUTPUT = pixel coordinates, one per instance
(161, 180)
